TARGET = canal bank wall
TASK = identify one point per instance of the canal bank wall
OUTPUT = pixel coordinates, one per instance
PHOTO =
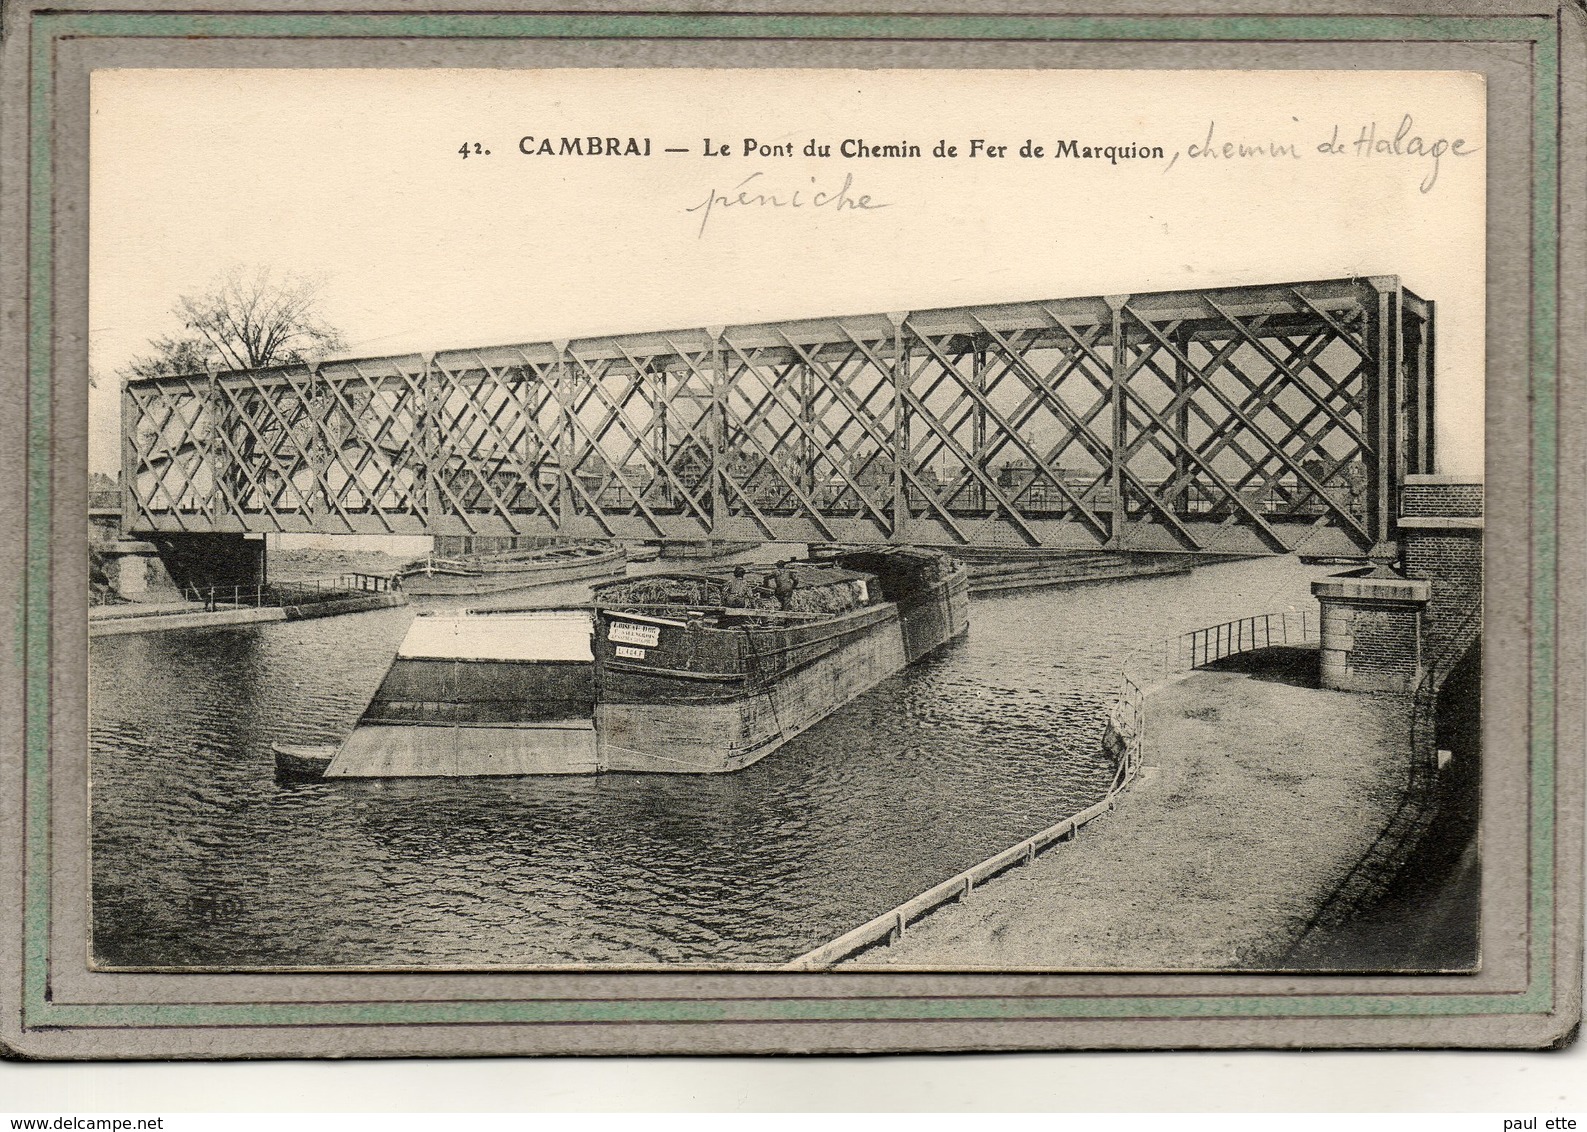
(1259, 794)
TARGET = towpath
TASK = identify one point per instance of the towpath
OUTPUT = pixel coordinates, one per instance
(155, 616)
(158, 616)
(1261, 792)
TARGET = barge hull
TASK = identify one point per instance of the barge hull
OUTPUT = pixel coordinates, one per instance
(395, 750)
(471, 696)
(717, 738)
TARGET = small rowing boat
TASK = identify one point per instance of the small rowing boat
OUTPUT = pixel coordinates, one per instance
(300, 761)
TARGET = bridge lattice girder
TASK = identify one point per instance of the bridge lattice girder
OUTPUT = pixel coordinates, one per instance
(1234, 419)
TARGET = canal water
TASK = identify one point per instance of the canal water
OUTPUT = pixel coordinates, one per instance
(200, 858)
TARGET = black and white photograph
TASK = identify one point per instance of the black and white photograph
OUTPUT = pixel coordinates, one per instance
(812, 520)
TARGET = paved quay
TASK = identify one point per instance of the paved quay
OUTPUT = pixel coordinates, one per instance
(152, 617)
(143, 609)
(1260, 793)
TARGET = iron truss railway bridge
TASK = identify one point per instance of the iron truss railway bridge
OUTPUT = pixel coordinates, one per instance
(1237, 420)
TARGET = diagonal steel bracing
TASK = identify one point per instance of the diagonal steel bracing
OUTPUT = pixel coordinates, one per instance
(1252, 419)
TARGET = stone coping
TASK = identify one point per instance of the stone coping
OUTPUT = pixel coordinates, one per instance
(1373, 589)
(1441, 522)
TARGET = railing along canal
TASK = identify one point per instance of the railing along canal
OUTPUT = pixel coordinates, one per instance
(1124, 738)
(297, 592)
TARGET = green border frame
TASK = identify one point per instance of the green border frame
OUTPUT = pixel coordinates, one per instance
(45, 29)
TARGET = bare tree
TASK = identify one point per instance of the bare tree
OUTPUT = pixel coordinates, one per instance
(173, 355)
(245, 319)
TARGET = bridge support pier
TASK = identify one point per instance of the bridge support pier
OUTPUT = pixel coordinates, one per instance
(212, 559)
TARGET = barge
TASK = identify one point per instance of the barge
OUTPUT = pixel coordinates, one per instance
(680, 673)
(471, 694)
(513, 569)
(690, 681)
(708, 549)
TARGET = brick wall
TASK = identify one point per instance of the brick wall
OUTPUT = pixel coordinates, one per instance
(1384, 641)
(1446, 550)
(1452, 561)
(1369, 648)
(1440, 499)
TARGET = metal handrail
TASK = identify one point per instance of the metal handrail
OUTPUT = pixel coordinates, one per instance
(213, 597)
(1200, 647)
(294, 592)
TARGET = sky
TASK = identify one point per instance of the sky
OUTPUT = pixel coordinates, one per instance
(356, 177)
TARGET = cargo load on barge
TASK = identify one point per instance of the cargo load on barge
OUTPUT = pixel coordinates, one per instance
(684, 672)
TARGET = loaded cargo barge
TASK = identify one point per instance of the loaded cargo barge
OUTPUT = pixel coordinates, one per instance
(688, 683)
(681, 673)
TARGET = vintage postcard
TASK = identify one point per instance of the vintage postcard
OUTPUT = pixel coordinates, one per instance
(591, 557)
